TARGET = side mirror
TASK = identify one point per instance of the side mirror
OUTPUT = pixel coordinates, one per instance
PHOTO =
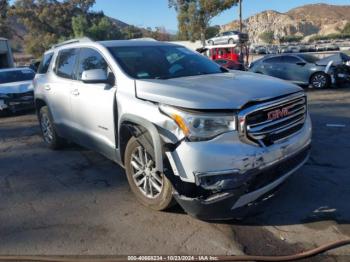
(301, 63)
(95, 76)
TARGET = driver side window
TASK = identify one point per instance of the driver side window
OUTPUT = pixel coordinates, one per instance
(91, 59)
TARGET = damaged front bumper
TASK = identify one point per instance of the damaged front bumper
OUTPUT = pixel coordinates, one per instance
(246, 189)
(17, 102)
(248, 173)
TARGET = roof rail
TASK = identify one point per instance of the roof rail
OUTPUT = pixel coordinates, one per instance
(72, 41)
(143, 39)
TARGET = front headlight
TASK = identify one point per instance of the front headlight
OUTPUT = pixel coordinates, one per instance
(4, 96)
(200, 126)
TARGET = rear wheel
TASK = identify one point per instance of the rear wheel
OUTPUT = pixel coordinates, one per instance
(320, 80)
(230, 41)
(48, 129)
(150, 187)
(211, 42)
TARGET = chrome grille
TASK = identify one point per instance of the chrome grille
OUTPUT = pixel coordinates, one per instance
(267, 123)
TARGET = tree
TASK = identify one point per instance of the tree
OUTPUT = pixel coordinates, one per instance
(212, 31)
(5, 30)
(104, 29)
(80, 26)
(194, 16)
(290, 38)
(346, 29)
(268, 37)
(48, 21)
(132, 32)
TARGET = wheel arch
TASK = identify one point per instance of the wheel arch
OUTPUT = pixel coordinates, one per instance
(39, 103)
(131, 125)
(319, 72)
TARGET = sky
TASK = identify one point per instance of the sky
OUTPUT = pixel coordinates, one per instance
(152, 13)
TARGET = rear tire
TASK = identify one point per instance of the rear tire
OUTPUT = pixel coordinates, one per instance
(320, 80)
(151, 188)
(211, 42)
(48, 129)
(230, 41)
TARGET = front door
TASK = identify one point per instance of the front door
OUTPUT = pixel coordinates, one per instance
(93, 105)
(294, 69)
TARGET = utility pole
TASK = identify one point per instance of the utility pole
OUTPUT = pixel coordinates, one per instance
(240, 16)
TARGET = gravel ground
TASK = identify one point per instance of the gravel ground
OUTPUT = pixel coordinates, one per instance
(75, 202)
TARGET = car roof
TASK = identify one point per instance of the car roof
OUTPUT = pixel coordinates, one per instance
(116, 43)
(15, 69)
(86, 42)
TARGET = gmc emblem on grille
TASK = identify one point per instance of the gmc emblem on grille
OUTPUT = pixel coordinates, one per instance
(278, 113)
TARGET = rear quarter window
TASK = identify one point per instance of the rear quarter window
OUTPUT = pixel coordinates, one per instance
(45, 63)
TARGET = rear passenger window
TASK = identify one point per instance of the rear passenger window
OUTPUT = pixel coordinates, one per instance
(290, 59)
(90, 59)
(45, 63)
(66, 61)
(273, 60)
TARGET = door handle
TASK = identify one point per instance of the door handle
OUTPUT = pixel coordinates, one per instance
(47, 87)
(75, 92)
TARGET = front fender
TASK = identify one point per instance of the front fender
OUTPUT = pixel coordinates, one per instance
(152, 130)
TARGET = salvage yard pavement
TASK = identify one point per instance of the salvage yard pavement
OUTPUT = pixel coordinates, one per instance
(76, 202)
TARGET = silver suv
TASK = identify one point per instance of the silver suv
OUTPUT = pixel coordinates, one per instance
(183, 128)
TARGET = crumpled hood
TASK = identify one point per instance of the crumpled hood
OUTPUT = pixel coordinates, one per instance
(16, 87)
(218, 91)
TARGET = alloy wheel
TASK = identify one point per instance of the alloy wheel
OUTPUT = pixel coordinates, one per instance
(46, 128)
(145, 177)
(319, 81)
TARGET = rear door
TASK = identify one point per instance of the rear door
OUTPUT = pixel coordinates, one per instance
(58, 87)
(273, 66)
(93, 105)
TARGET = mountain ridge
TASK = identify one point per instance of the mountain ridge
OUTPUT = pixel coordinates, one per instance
(304, 21)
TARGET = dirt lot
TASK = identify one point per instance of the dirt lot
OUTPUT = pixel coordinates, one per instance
(75, 202)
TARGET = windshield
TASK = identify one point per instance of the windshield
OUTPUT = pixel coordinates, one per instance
(163, 62)
(16, 76)
(309, 58)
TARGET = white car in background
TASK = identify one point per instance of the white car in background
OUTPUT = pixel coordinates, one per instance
(16, 89)
(229, 37)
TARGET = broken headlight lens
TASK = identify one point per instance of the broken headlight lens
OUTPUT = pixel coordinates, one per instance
(198, 126)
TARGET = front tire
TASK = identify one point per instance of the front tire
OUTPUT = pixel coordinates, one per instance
(320, 80)
(48, 129)
(211, 42)
(230, 41)
(150, 187)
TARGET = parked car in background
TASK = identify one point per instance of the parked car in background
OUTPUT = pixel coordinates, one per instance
(339, 66)
(261, 50)
(165, 113)
(301, 69)
(332, 47)
(229, 37)
(6, 57)
(272, 49)
(320, 48)
(16, 89)
(283, 49)
(294, 49)
(230, 64)
(311, 48)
